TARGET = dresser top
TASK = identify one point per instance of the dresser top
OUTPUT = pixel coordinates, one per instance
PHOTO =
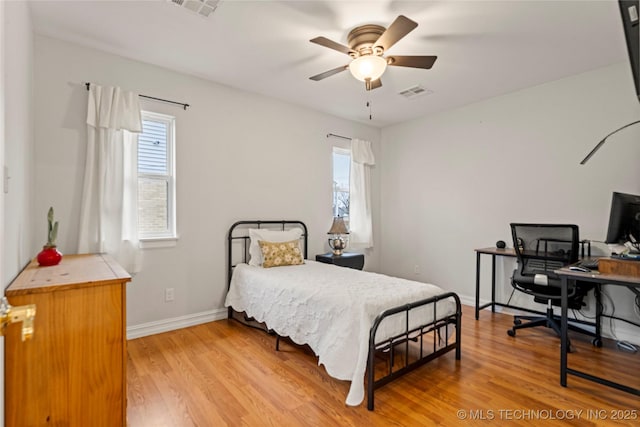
(74, 271)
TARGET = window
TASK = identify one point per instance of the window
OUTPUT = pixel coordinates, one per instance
(156, 177)
(341, 169)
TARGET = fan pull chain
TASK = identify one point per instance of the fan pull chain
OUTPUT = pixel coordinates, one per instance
(369, 105)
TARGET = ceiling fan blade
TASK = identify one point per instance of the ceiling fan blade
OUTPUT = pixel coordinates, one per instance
(328, 73)
(397, 30)
(412, 61)
(323, 41)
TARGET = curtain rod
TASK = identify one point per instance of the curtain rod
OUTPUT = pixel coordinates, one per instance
(338, 136)
(155, 99)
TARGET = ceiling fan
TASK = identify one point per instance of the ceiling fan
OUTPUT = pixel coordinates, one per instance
(367, 44)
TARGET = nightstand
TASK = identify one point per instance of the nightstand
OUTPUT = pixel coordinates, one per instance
(347, 259)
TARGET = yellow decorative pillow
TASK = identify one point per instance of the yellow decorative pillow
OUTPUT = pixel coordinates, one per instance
(276, 254)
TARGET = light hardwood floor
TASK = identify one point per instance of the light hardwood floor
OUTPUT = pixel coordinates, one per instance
(223, 373)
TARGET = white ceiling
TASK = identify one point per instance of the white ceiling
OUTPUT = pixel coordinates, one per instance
(484, 48)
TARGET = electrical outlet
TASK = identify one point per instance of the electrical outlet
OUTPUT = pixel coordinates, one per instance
(168, 294)
(416, 270)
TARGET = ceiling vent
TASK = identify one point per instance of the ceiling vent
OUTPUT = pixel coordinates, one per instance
(415, 91)
(201, 7)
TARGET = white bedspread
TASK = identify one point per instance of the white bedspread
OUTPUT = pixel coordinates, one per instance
(329, 308)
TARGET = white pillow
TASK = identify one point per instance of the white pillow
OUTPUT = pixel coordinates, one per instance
(277, 236)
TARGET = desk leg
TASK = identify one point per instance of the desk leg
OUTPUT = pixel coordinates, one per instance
(598, 294)
(563, 331)
(477, 285)
(493, 283)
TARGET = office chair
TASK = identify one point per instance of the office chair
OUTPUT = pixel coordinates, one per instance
(541, 249)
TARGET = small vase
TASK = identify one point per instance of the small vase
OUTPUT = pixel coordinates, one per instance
(49, 256)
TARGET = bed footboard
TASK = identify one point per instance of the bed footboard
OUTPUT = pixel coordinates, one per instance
(417, 345)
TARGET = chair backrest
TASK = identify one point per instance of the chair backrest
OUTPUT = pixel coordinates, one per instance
(543, 248)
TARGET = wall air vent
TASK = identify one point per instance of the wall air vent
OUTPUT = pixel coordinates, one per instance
(201, 7)
(415, 91)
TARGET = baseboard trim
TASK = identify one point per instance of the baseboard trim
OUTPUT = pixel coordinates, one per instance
(623, 331)
(166, 325)
(172, 324)
(467, 300)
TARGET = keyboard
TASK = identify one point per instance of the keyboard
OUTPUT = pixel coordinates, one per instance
(591, 264)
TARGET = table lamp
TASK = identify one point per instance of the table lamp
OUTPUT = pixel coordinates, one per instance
(336, 241)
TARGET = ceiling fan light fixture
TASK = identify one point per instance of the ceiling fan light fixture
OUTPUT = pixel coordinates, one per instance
(366, 45)
(368, 67)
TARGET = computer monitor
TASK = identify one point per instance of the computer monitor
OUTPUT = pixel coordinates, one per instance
(624, 219)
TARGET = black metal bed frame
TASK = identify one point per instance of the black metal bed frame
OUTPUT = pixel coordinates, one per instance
(440, 344)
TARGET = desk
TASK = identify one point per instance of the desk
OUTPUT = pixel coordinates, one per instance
(494, 252)
(567, 276)
(509, 253)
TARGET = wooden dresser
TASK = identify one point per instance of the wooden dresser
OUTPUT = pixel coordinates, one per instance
(73, 371)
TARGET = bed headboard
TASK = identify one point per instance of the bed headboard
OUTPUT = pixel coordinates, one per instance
(238, 240)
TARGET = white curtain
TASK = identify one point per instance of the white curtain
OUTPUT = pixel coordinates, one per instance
(360, 225)
(108, 212)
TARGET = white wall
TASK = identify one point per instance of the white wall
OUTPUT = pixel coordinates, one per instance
(18, 140)
(16, 146)
(453, 182)
(239, 156)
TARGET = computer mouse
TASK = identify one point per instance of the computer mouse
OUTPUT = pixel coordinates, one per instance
(580, 269)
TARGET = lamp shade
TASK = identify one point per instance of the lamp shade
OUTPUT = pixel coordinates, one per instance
(368, 67)
(338, 226)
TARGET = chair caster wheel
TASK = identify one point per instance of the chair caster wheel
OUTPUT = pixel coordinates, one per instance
(517, 321)
(597, 342)
(511, 333)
